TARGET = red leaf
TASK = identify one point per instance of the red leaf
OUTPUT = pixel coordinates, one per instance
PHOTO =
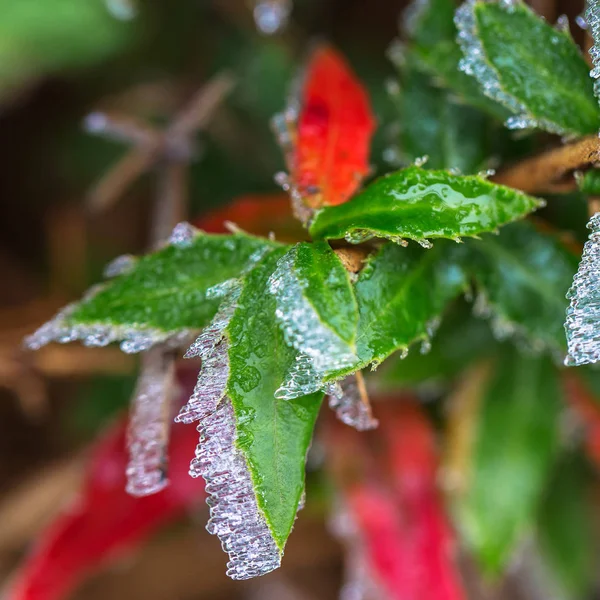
(257, 214)
(334, 129)
(393, 499)
(104, 521)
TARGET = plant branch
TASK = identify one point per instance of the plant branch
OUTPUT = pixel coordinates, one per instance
(543, 173)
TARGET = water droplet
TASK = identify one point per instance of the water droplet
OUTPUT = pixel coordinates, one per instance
(421, 161)
(425, 244)
(183, 235)
(271, 16)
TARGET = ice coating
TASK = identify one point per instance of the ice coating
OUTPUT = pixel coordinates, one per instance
(183, 235)
(582, 324)
(592, 21)
(321, 350)
(475, 63)
(148, 433)
(346, 401)
(234, 514)
(132, 339)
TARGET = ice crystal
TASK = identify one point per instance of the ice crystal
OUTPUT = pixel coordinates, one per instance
(345, 399)
(475, 63)
(321, 349)
(271, 16)
(183, 235)
(120, 266)
(148, 433)
(592, 22)
(234, 514)
(583, 315)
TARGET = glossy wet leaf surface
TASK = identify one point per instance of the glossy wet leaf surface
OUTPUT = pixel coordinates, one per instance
(522, 276)
(513, 449)
(273, 434)
(530, 67)
(418, 204)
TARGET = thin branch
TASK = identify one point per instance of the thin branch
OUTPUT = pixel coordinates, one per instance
(362, 391)
(543, 173)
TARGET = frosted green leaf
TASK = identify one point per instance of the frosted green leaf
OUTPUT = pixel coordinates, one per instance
(592, 19)
(516, 439)
(523, 63)
(318, 314)
(163, 296)
(522, 276)
(419, 204)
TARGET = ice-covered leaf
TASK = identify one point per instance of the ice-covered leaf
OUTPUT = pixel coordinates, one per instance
(327, 140)
(253, 445)
(451, 135)
(514, 443)
(162, 298)
(564, 535)
(522, 276)
(105, 522)
(318, 314)
(533, 69)
(592, 19)
(583, 314)
(418, 204)
(460, 340)
(401, 293)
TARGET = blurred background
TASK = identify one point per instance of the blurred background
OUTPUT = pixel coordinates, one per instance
(141, 60)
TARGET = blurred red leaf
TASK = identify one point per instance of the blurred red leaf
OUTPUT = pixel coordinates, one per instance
(258, 214)
(587, 409)
(104, 521)
(331, 149)
(396, 506)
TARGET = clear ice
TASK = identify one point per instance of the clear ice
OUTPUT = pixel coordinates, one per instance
(346, 401)
(592, 22)
(474, 63)
(271, 16)
(582, 324)
(148, 433)
(321, 350)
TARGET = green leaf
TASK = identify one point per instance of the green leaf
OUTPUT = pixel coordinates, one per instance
(514, 446)
(589, 182)
(523, 276)
(531, 68)
(318, 313)
(564, 533)
(161, 296)
(418, 204)
(460, 340)
(451, 135)
(401, 293)
(273, 434)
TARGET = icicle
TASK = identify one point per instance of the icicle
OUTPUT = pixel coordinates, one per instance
(235, 516)
(583, 315)
(148, 433)
(321, 350)
(271, 16)
(346, 400)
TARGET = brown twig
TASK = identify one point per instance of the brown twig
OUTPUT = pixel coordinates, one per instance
(363, 393)
(543, 173)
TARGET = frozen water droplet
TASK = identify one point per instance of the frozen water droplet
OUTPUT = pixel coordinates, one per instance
(95, 122)
(521, 122)
(562, 24)
(393, 87)
(183, 235)
(404, 353)
(358, 236)
(271, 16)
(148, 433)
(581, 22)
(421, 161)
(487, 173)
(425, 244)
(345, 399)
(582, 323)
(120, 266)
(425, 346)
(397, 53)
